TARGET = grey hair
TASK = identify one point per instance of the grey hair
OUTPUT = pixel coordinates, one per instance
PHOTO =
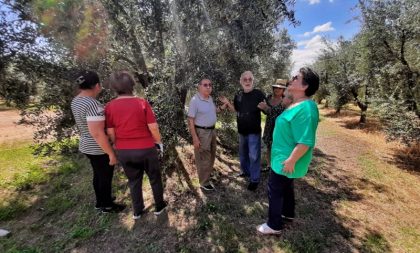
(248, 72)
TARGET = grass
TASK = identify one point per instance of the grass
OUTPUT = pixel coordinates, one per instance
(338, 209)
(23, 172)
(18, 165)
(375, 243)
(370, 167)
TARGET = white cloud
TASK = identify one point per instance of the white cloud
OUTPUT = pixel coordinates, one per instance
(307, 54)
(314, 1)
(320, 28)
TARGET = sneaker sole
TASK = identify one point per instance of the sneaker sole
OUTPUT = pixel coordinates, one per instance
(271, 233)
(161, 211)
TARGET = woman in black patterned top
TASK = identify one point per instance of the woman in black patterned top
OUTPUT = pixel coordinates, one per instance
(272, 107)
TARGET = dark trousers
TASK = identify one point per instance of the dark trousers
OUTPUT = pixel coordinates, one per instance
(102, 179)
(135, 162)
(281, 200)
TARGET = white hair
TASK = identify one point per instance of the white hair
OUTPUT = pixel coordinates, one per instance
(248, 72)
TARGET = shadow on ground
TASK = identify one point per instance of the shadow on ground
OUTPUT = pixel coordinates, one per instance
(220, 221)
(407, 158)
(372, 126)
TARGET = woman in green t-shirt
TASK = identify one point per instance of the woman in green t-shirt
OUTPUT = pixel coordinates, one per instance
(291, 152)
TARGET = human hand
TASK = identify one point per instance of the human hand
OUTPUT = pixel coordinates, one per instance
(196, 143)
(112, 159)
(159, 147)
(224, 100)
(263, 106)
(289, 166)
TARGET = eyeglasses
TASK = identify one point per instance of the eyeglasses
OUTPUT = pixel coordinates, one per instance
(207, 85)
(295, 77)
(247, 79)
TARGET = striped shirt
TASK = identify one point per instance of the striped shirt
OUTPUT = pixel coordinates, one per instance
(86, 109)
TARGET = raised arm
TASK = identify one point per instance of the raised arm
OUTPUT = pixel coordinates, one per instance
(226, 103)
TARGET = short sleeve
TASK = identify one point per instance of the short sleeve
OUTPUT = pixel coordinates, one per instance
(95, 112)
(262, 96)
(303, 127)
(150, 115)
(236, 102)
(108, 116)
(192, 108)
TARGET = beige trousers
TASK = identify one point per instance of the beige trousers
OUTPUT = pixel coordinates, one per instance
(206, 154)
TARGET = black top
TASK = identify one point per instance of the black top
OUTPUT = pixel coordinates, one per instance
(248, 115)
(273, 113)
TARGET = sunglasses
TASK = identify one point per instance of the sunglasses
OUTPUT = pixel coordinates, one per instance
(207, 85)
(295, 77)
(247, 79)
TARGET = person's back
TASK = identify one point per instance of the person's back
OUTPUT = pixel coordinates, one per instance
(85, 109)
(131, 125)
(90, 120)
(130, 118)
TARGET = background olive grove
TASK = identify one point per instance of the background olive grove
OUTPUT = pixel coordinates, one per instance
(167, 45)
(170, 45)
(378, 68)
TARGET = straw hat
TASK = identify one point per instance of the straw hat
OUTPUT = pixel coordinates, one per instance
(280, 83)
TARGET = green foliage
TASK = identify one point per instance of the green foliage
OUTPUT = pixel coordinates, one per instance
(27, 180)
(375, 243)
(168, 46)
(82, 233)
(400, 123)
(378, 67)
(11, 209)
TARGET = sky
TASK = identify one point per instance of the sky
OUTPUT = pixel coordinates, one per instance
(320, 18)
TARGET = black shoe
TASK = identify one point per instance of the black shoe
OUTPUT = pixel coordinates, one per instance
(137, 216)
(114, 208)
(160, 209)
(252, 186)
(208, 187)
(98, 207)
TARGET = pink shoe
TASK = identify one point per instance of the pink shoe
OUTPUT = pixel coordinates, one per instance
(266, 230)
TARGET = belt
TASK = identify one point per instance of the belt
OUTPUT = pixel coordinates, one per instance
(201, 127)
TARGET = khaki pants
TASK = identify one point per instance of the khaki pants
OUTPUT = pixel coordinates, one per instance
(206, 154)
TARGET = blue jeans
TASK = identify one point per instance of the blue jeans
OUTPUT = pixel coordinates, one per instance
(250, 156)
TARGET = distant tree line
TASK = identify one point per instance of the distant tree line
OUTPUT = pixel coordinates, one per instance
(379, 68)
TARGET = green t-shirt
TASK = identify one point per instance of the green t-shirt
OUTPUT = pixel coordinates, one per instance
(296, 125)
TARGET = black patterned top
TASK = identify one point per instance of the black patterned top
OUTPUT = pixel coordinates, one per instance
(272, 114)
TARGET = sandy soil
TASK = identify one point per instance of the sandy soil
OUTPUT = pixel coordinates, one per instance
(10, 130)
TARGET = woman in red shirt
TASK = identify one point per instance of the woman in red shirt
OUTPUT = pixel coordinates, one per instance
(132, 127)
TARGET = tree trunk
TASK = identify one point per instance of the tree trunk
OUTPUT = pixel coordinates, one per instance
(363, 106)
(338, 110)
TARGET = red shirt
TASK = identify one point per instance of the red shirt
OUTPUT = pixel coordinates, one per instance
(129, 118)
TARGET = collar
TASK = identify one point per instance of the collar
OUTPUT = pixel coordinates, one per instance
(203, 99)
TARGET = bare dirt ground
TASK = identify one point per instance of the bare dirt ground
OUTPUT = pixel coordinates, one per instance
(10, 130)
(357, 197)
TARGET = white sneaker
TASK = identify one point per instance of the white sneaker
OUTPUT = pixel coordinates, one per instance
(266, 230)
(136, 216)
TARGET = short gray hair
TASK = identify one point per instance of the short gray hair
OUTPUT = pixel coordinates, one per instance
(248, 72)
